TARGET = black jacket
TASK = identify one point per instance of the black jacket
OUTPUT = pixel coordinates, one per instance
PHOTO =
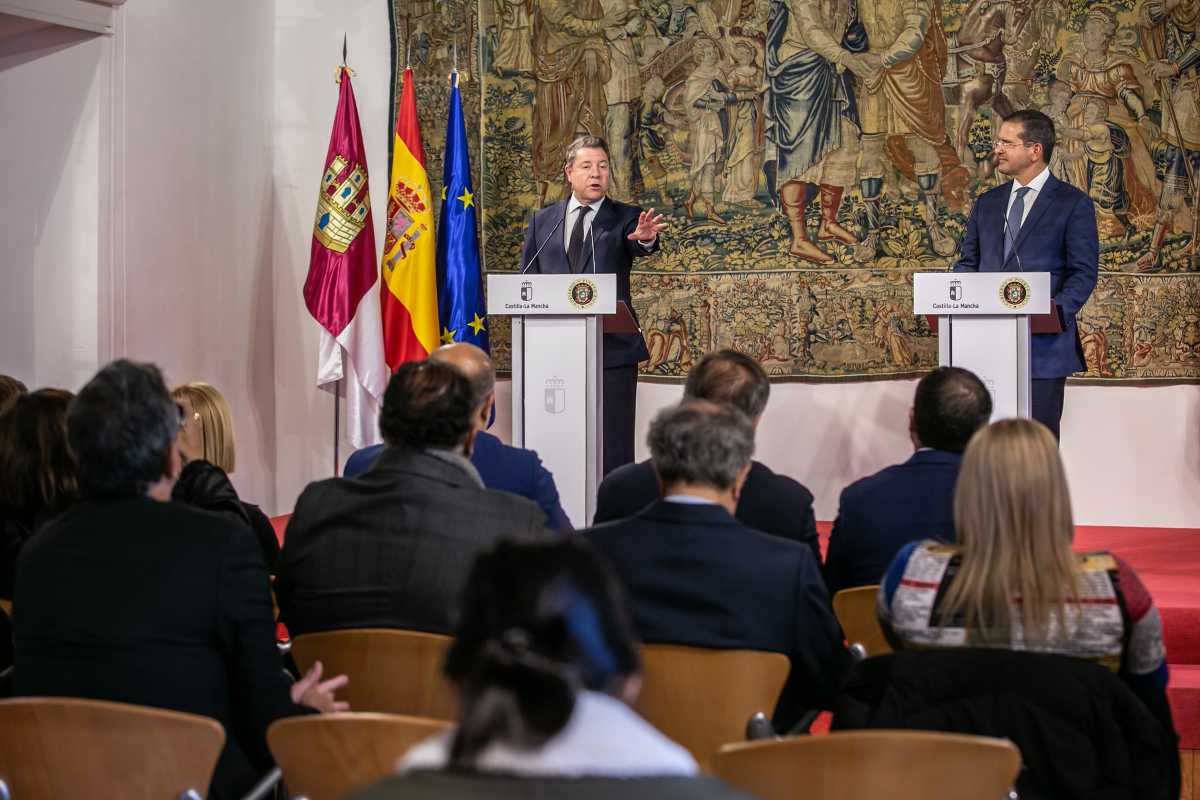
(391, 548)
(770, 503)
(883, 512)
(157, 604)
(1081, 732)
(696, 576)
(206, 486)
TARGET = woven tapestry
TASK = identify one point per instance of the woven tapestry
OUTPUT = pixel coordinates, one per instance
(793, 232)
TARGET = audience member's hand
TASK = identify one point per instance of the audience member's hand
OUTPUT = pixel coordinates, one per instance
(311, 691)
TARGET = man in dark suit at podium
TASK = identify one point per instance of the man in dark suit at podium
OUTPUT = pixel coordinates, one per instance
(592, 233)
(1037, 223)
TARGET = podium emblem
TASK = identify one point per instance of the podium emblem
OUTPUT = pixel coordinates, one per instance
(956, 290)
(582, 293)
(527, 291)
(1014, 293)
(556, 395)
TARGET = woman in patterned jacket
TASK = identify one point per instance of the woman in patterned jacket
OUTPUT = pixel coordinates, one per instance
(1012, 580)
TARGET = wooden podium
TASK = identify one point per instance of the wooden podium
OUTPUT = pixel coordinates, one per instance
(558, 322)
(984, 324)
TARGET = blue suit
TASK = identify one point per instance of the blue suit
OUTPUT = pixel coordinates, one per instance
(622, 351)
(509, 469)
(881, 513)
(1058, 236)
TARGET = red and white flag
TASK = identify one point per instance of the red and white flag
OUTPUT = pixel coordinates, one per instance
(341, 291)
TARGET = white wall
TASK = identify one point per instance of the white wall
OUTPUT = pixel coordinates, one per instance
(50, 93)
(308, 46)
(142, 224)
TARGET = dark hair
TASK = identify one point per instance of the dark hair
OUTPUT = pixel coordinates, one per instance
(1036, 128)
(949, 406)
(427, 404)
(10, 390)
(37, 470)
(700, 442)
(727, 376)
(586, 141)
(121, 427)
(540, 622)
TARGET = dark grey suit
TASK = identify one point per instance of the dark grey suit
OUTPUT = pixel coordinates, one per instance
(614, 253)
(392, 547)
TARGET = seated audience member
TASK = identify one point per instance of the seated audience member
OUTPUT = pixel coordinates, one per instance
(695, 575)
(37, 472)
(392, 547)
(10, 390)
(131, 598)
(509, 469)
(915, 500)
(769, 502)
(1012, 580)
(545, 664)
(209, 457)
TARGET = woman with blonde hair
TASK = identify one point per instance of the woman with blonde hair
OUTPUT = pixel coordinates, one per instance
(1012, 580)
(209, 457)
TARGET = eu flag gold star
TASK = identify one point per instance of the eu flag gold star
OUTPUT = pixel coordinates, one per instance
(447, 336)
(467, 198)
(443, 193)
(476, 324)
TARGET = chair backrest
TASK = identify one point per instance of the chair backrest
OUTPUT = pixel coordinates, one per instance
(391, 671)
(866, 765)
(329, 756)
(57, 747)
(855, 611)
(703, 698)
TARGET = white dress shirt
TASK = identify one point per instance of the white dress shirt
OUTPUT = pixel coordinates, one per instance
(603, 737)
(573, 206)
(1035, 188)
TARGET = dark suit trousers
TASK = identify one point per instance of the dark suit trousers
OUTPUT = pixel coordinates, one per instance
(1046, 401)
(620, 398)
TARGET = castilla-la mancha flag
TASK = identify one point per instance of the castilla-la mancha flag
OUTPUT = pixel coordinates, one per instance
(342, 290)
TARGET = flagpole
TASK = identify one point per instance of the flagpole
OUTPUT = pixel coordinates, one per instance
(337, 414)
(337, 389)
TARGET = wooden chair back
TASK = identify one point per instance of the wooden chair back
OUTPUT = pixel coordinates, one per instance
(391, 671)
(330, 756)
(84, 749)
(704, 698)
(866, 765)
(855, 610)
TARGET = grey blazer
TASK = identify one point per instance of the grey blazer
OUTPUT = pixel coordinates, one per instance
(392, 547)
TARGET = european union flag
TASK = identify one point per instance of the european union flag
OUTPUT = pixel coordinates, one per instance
(460, 285)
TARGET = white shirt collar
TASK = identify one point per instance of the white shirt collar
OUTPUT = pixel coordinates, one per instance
(574, 203)
(688, 500)
(1036, 184)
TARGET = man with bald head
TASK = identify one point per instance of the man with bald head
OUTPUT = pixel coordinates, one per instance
(508, 469)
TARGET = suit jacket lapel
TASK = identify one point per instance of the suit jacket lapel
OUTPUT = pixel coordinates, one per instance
(556, 250)
(1045, 198)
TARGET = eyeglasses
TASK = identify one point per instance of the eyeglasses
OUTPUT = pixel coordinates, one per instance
(1003, 145)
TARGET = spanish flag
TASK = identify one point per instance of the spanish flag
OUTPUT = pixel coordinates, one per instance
(409, 268)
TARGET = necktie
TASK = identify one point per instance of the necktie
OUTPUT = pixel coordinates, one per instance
(576, 245)
(1014, 220)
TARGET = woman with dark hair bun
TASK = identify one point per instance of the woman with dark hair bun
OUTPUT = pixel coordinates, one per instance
(546, 663)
